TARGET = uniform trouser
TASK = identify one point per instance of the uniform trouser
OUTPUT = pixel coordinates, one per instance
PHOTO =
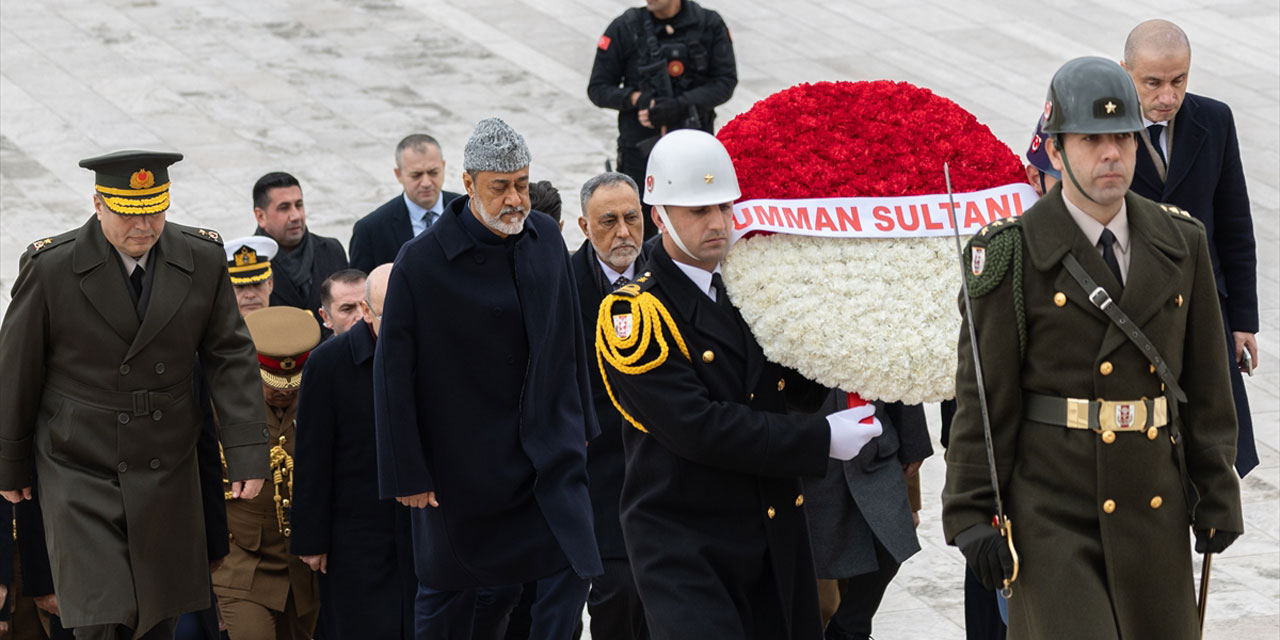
(614, 604)
(162, 631)
(860, 597)
(248, 620)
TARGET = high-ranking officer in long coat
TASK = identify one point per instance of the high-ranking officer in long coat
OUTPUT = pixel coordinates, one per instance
(360, 545)
(1194, 162)
(483, 403)
(711, 501)
(98, 348)
(263, 590)
(1094, 442)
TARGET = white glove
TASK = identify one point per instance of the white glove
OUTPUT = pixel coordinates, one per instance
(848, 434)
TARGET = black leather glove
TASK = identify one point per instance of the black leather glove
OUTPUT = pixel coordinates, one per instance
(667, 111)
(1217, 544)
(987, 553)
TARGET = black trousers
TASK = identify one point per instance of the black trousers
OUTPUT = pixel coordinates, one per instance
(614, 604)
(479, 614)
(860, 597)
(163, 630)
(981, 612)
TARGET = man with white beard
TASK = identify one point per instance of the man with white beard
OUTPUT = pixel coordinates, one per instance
(483, 406)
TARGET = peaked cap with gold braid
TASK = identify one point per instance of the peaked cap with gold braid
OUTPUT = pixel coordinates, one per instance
(133, 183)
(249, 259)
(631, 323)
(284, 337)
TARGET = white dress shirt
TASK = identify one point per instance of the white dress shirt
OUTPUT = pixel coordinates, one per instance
(700, 277)
(1092, 229)
(1163, 142)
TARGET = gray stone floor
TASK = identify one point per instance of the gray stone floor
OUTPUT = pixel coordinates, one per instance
(324, 89)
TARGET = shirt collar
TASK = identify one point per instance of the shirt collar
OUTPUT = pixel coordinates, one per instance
(418, 213)
(612, 276)
(1092, 229)
(130, 263)
(700, 278)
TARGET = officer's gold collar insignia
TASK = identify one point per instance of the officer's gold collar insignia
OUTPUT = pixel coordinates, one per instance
(40, 244)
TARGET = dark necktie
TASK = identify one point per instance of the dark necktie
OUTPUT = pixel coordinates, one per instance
(135, 280)
(1154, 131)
(622, 280)
(722, 296)
(430, 218)
(1108, 241)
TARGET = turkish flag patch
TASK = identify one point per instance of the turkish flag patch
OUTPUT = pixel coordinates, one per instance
(603, 44)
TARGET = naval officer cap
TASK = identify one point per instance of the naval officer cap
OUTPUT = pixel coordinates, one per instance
(133, 183)
(495, 146)
(284, 337)
(249, 259)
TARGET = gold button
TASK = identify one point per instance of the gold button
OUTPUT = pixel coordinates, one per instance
(1173, 440)
(1178, 300)
(1108, 436)
(799, 499)
(1152, 368)
(1156, 502)
(772, 512)
(1105, 368)
(782, 384)
(750, 397)
(1109, 506)
(287, 532)
(1060, 298)
(708, 356)
(1152, 433)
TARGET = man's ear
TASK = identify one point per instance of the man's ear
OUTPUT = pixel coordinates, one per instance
(325, 317)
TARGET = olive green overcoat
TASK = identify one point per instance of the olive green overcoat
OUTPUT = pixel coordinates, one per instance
(99, 406)
(1101, 523)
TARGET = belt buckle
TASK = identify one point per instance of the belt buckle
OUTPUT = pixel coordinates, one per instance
(141, 403)
(1100, 298)
(1128, 415)
(1077, 413)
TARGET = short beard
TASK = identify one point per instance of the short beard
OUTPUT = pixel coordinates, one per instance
(496, 223)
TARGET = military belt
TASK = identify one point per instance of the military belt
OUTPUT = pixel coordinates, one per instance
(140, 402)
(1096, 415)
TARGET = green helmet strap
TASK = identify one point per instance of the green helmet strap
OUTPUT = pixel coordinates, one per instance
(1066, 164)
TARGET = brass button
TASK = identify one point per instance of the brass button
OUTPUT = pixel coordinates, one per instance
(799, 499)
(1108, 436)
(708, 355)
(1178, 300)
(1152, 433)
(284, 503)
(771, 512)
(1151, 368)
(1156, 502)
(750, 397)
(1105, 368)
(1109, 506)
(231, 536)
(1060, 298)
(287, 531)
(782, 384)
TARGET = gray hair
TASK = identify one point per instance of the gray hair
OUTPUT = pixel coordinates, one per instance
(417, 142)
(605, 179)
(495, 146)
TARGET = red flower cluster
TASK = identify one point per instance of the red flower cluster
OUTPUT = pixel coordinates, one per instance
(863, 139)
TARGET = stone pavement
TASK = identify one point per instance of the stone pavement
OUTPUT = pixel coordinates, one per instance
(324, 89)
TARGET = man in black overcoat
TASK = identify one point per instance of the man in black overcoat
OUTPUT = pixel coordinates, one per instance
(377, 237)
(359, 543)
(1193, 161)
(711, 501)
(483, 404)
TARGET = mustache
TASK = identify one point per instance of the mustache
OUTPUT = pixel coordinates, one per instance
(513, 209)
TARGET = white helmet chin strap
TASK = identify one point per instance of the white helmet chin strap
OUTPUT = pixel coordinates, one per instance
(662, 213)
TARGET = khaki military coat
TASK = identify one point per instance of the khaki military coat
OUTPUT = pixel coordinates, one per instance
(99, 405)
(260, 568)
(1101, 524)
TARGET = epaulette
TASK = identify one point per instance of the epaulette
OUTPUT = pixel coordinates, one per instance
(990, 252)
(204, 234)
(634, 289)
(42, 246)
(1178, 213)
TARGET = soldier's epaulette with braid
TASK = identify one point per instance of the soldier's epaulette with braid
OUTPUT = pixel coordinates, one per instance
(992, 253)
(1178, 213)
(633, 289)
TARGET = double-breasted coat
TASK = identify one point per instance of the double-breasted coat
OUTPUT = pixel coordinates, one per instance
(102, 405)
(1100, 520)
(369, 586)
(711, 502)
(481, 394)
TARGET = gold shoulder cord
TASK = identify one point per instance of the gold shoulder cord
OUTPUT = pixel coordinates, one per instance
(648, 317)
(281, 476)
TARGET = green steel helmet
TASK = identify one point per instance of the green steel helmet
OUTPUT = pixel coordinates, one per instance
(1092, 95)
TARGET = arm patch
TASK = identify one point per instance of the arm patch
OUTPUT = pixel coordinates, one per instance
(990, 254)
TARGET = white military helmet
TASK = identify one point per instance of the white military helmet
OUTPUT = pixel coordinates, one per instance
(690, 168)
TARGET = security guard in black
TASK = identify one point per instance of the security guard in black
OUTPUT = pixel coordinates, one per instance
(665, 66)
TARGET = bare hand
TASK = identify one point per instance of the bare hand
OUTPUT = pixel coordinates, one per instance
(912, 468)
(915, 519)
(4, 627)
(48, 603)
(17, 495)
(246, 489)
(1244, 341)
(4, 593)
(317, 563)
(635, 95)
(643, 115)
(419, 500)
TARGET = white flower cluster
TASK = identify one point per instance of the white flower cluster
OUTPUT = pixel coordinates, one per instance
(876, 317)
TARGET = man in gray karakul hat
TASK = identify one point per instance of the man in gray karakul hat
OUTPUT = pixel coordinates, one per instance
(483, 408)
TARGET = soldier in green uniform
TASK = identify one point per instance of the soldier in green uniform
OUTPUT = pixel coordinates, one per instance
(1112, 422)
(265, 592)
(98, 349)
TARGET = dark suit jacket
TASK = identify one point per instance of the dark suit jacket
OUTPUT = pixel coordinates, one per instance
(328, 258)
(711, 502)
(369, 588)
(377, 237)
(1206, 178)
(481, 394)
